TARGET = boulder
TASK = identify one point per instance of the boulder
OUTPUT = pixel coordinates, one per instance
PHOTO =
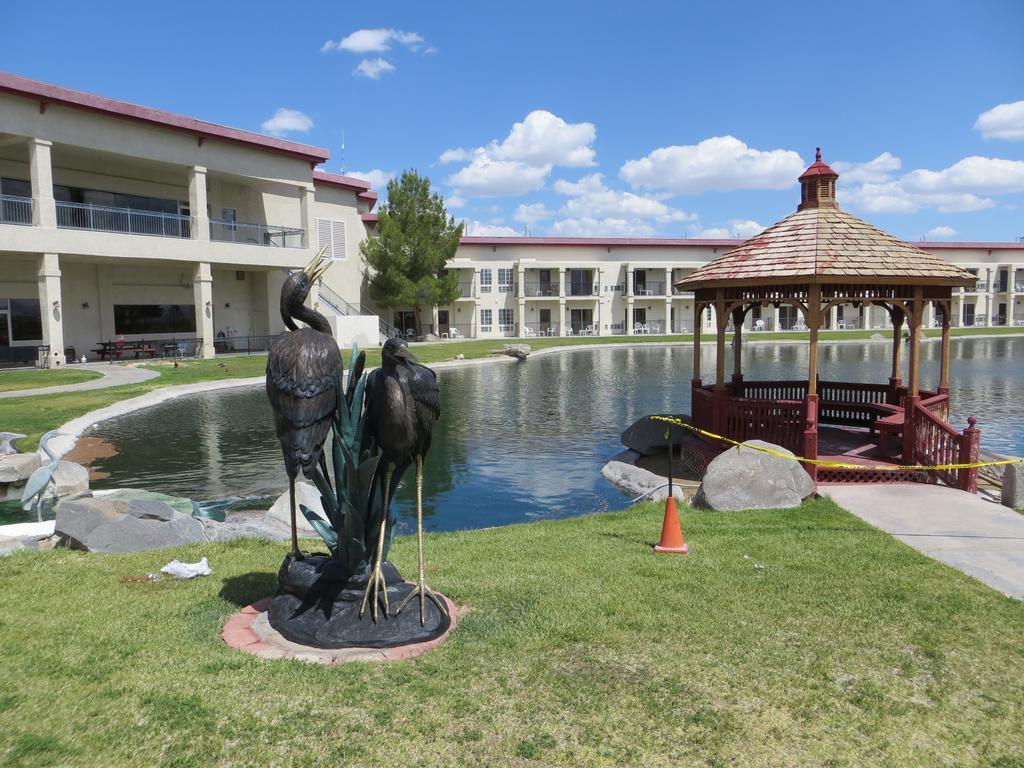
(1013, 486)
(10, 546)
(106, 524)
(637, 481)
(431, 337)
(16, 467)
(647, 435)
(518, 351)
(305, 494)
(877, 336)
(68, 479)
(743, 478)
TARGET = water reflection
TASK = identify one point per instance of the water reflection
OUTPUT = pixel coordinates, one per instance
(526, 441)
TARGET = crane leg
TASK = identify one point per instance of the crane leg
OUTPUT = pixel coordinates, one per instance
(421, 588)
(295, 536)
(376, 580)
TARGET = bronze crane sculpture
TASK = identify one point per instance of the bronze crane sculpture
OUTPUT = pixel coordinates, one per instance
(303, 380)
(403, 404)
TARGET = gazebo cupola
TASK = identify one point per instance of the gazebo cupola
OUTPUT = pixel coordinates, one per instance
(816, 259)
(818, 185)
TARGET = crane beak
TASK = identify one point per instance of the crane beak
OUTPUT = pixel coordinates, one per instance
(316, 268)
(404, 353)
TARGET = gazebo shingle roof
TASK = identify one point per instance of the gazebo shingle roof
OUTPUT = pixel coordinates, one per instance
(821, 243)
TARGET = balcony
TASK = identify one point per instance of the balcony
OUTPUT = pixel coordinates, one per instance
(541, 288)
(465, 291)
(648, 289)
(103, 218)
(15, 210)
(255, 234)
(582, 289)
(682, 292)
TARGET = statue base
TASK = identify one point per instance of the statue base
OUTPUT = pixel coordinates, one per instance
(317, 605)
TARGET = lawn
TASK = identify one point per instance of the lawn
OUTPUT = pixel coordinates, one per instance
(798, 637)
(33, 416)
(34, 379)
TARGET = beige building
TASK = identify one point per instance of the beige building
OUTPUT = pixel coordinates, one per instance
(171, 234)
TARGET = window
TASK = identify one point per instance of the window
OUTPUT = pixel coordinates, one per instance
(506, 321)
(485, 281)
(504, 281)
(154, 318)
(26, 322)
(332, 234)
(485, 318)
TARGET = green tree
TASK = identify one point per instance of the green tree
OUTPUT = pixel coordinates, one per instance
(406, 262)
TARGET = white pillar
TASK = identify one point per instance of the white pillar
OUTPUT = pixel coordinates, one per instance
(434, 321)
(44, 209)
(202, 290)
(520, 280)
(775, 319)
(561, 283)
(833, 317)
(929, 315)
(308, 213)
(197, 206)
(1011, 295)
(561, 309)
(51, 308)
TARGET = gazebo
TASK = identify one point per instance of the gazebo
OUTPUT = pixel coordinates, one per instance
(817, 258)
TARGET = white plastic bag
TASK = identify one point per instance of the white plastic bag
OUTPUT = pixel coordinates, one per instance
(180, 570)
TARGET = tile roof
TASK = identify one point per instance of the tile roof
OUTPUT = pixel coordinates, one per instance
(823, 244)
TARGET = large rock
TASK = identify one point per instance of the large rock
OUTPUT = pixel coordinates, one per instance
(106, 524)
(16, 467)
(518, 351)
(743, 478)
(68, 479)
(637, 481)
(647, 435)
(1013, 486)
(305, 494)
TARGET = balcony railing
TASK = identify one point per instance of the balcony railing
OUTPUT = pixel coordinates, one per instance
(682, 292)
(104, 218)
(648, 289)
(15, 210)
(465, 291)
(576, 289)
(255, 234)
(539, 288)
(540, 329)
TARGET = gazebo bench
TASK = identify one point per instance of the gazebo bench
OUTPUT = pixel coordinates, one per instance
(889, 425)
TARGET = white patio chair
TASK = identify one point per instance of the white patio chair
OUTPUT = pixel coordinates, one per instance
(590, 330)
(410, 333)
(528, 331)
(759, 325)
(455, 333)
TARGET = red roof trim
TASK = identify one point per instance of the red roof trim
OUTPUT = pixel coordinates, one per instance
(369, 197)
(369, 218)
(650, 242)
(55, 94)
(337, 180)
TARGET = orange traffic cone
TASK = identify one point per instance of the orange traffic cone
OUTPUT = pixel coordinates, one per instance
(671, 534)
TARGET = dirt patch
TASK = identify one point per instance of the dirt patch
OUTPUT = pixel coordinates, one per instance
(89, 449)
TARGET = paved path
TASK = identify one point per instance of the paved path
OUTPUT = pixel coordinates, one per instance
(112, 376)
(980, 538)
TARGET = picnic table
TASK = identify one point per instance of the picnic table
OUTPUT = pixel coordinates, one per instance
(120, 350)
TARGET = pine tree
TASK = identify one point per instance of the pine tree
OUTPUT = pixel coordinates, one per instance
(417, 237)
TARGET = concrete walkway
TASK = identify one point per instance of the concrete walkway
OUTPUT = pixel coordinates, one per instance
(980, 538)
(112, 376)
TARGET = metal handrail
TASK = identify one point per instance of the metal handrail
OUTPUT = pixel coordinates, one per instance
(15, 210)
(106, 218)
(256, 234)
(335, 302)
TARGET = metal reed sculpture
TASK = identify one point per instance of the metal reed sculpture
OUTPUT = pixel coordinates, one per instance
(303, 378)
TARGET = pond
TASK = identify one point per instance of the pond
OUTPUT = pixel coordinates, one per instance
(526, 441)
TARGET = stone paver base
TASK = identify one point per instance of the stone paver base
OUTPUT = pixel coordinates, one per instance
(250, 631)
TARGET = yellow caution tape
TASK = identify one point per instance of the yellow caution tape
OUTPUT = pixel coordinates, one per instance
(836, 464)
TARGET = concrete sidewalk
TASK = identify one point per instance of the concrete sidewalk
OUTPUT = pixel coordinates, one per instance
(980, 538)
(112, 376)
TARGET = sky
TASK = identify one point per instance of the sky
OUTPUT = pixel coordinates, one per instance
(640, 119)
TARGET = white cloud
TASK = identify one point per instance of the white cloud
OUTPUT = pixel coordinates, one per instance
(373, 68)
(741, 229)
(874, 171)
(607, 227)
(378, 179)
(721, 163)
(285, 120)
(483, 229)
(941, 231)
(591, 199)
(542, 138)
(965, 186)
(498, 178)
(533, 213)
(1005, 121)
(374, 41)
(455, 200)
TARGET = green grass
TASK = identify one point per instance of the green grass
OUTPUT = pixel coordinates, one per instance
(580, 647)
(14, 380)
(34, 416)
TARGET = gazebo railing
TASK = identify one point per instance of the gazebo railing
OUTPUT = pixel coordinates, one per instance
(775, 421)
(771, 390)
(937, 443)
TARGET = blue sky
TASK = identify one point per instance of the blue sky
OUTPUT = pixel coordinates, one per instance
(592, 118)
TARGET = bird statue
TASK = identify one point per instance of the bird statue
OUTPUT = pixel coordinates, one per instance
(403, 404)
(39, 481)
(303, 380)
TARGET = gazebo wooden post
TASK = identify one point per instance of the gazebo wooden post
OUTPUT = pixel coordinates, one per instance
(811, 401)
(696, 401)
(912, 401)
(944, 368)
(737, 352)
(718, 394)
(896, 378)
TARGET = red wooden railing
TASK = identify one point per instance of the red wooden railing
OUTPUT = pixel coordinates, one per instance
(701, 406)
(775, 421)
(937, 443)
(850, 404)
(772, 390)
